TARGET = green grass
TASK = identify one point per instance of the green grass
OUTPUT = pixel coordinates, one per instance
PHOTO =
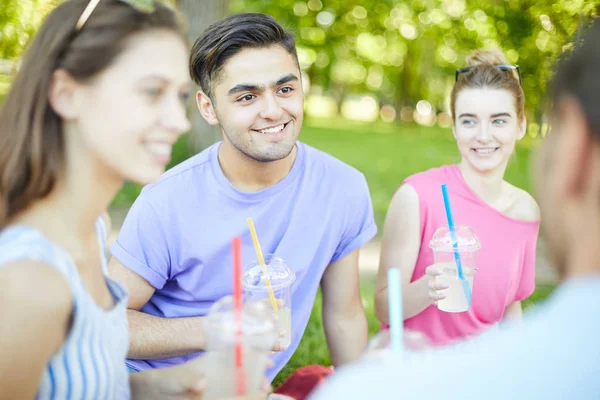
(313, 346)
(388, 153)
(385, 153)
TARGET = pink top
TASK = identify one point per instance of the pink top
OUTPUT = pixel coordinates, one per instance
(505, 262)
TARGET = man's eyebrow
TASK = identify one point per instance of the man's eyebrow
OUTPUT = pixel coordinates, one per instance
(286, 79)
(249, 87)
(245, 87)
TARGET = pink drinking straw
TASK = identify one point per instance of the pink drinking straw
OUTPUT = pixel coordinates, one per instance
(237, 307)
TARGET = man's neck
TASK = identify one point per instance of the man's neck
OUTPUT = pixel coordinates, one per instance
(249, 175)
(584, 257)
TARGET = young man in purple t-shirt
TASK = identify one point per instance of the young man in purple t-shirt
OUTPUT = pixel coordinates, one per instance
(310, 209)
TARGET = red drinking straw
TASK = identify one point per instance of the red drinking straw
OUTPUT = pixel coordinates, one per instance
(237, 305)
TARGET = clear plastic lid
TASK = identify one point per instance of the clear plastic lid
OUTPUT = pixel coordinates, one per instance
(221, 324)
(279, 273)
(466, 238)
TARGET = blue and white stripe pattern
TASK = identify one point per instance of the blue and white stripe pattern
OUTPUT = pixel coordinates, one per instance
(91, 362)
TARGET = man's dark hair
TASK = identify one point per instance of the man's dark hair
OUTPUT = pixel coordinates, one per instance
(578, 75)
(227, 37)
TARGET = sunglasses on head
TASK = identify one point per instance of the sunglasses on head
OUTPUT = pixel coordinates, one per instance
(501, 67)
(146, 6)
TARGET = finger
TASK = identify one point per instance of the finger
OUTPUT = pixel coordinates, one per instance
(266, 386)
(279, 347)
(433, 285)
(436, 296)
(195, 389)
(433, 270)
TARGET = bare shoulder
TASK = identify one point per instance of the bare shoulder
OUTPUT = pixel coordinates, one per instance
(405, 196)
(35, 310)
(403, 212)
(37, 296)
(524, 206)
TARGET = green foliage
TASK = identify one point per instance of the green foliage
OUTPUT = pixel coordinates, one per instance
(402, 51)
(18, 22)
(407, 51)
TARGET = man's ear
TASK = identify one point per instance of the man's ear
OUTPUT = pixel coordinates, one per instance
(206, 108)
(576, 147)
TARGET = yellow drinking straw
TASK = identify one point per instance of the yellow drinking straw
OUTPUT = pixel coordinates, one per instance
(261, 261)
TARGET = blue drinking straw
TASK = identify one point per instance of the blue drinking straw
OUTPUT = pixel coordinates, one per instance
(461, 276)
(395, 309)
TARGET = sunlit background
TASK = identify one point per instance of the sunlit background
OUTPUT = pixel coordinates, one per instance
(377, 76)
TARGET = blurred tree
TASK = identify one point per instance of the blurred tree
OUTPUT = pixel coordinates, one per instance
(18, 21)
(400, 51)
(200, 15)
(405, 51)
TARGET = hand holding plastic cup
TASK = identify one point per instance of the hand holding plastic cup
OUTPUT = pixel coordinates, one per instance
(257, 338)
(447, 283)
(436, 291)
(256, 289)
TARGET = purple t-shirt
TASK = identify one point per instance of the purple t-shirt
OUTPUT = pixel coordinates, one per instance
(178, 234)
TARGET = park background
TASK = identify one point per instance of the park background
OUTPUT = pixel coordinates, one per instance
(376, 75)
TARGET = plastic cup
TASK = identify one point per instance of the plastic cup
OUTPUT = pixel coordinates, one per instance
(413, 341)
(255, 289)
(258, 337)
(379, 350)
(443, 253)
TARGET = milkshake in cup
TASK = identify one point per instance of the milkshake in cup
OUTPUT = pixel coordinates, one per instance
(443, 253)
(257, 337)
(281, 278)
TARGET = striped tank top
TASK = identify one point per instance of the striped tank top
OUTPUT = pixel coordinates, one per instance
(91, 362)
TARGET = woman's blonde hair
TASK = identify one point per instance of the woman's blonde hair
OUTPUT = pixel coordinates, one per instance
(485, 74)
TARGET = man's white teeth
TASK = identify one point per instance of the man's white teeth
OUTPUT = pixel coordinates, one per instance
(485, 151)
(275, 129)
(159, 148)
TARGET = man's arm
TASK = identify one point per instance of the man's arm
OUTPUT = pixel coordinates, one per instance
(183, 382)
(344, 317)
(152, 337)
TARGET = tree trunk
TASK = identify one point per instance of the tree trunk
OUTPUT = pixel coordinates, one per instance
(200, 15)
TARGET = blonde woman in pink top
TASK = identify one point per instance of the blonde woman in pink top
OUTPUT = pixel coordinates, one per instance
(488, 119)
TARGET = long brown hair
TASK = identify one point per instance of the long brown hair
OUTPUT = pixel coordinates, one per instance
(31, 136)
(485, 75)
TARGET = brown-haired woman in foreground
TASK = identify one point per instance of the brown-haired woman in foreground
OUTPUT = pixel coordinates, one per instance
(99, 99)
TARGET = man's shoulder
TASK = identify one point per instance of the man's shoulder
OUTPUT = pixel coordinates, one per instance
(178, 177)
